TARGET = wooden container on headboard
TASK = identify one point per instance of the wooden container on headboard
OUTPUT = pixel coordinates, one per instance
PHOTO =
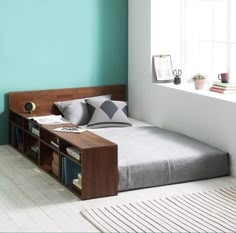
(44, 99)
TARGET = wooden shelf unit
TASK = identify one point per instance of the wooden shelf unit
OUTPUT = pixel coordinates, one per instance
(98, 158)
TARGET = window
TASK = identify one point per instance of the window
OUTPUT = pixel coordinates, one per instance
(200, 35)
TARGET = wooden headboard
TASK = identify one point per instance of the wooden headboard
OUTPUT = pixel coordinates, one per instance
(44, 99)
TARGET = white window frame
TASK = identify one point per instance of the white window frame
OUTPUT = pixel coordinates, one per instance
(185, 61)
(184, 35)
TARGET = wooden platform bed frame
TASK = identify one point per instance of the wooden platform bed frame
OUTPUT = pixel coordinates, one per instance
(98, 162)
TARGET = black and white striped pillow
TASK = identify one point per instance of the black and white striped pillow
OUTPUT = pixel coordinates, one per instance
(107, 113)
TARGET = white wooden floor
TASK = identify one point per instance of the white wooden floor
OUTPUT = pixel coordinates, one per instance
(32, 201)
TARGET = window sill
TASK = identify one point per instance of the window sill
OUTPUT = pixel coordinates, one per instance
(186, 87)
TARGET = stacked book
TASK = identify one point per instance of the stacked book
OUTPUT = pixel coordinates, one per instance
(224, 88)
(74, 152)
(35, 130)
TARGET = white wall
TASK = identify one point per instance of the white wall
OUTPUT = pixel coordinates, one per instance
(167, 20)
(204, 118)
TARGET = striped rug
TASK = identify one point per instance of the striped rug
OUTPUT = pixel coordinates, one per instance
(211, 211)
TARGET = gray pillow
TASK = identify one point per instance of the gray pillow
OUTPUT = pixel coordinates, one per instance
(75, 111)
(107, 113)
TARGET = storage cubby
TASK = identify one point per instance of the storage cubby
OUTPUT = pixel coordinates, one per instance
(46, 157)
(12, 135)
(17, 137)
(16, 119)
(31, 148)
(51, 139)
(70, 151)
(69, 170)
(32, 127)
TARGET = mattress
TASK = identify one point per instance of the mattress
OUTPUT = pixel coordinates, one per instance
(150, 156)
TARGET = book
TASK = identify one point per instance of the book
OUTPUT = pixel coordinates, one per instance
(79, 180)
(55, 157)
(74, 152)
(55, 142)
(224, 88)
(222, 91)
(35, 148)
(55, 168)
(34, 152)
(35, 131)
(13, 135)
(48, 120)
(226, 85)
(19, 138)
(76, 183)
(70, 129)
(63, 170)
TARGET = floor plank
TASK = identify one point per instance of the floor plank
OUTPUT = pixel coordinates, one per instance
(32, 201)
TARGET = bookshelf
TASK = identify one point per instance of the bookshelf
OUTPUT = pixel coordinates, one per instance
(97, 162)
(96, 166)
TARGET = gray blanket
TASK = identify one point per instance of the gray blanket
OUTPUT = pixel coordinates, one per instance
(150, 156)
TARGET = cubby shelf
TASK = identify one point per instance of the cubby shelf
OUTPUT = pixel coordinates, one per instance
(98, 157)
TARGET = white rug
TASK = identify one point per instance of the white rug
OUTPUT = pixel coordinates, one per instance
(211, 211)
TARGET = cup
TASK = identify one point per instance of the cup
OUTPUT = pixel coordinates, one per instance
(224, 77)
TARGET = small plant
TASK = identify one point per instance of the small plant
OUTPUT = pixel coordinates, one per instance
(199, 81)
(198, 76)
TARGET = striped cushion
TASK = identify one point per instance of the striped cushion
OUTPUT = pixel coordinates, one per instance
(107, 113)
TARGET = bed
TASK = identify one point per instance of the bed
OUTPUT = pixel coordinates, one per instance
(150, 156)
(147, 155)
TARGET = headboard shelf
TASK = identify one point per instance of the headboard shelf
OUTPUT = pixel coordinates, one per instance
(44, 99)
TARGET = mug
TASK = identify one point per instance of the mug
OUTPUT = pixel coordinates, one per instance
(224, 77)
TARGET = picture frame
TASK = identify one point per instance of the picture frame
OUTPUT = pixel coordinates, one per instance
(162, 65)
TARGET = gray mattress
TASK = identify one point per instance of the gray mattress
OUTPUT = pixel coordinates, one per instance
(150, 156)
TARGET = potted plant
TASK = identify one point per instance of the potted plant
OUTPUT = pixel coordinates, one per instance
(199, 81)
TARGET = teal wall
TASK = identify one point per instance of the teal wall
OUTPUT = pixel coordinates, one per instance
(60, 43)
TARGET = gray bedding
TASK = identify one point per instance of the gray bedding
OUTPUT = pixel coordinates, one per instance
(150, 156)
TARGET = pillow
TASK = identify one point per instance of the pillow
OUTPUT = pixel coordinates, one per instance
(107, 113)
(75, 111)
